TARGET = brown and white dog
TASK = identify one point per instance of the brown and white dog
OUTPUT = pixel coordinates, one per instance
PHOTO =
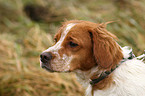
(101, 65)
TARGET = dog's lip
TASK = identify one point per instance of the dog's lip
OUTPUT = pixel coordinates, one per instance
(49, 70)
(46, 68)
(43, 65)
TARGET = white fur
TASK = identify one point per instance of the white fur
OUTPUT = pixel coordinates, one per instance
(126, 51)
(141, 57)
(60, 63)
(128, 79)
(84, 78)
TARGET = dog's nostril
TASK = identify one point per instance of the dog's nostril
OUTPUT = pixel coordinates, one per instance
(45, 57)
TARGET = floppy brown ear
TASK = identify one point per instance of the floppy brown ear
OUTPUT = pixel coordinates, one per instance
(106, 51)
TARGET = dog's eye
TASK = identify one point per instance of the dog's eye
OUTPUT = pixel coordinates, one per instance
(72, 44)
(55, 40)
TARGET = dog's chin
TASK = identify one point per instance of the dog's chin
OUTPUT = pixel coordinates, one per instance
(51, 70)
(47, 68)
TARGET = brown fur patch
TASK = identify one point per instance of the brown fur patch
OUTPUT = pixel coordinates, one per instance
(106, 50)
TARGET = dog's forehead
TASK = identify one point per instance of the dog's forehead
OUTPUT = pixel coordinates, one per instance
(72, 29)
(77, 31)
(66, 30)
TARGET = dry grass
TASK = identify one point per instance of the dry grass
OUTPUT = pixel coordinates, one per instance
(22, 40)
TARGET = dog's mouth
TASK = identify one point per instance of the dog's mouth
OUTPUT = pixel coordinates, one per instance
(47, 68)
(50, 70)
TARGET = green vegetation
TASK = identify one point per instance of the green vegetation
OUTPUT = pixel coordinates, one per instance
(22, 40)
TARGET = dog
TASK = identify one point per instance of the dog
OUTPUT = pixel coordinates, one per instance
(101, 65)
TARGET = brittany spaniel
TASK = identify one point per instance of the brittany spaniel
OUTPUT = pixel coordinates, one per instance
(102, 66)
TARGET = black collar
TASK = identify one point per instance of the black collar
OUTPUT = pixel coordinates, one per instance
(106, 73)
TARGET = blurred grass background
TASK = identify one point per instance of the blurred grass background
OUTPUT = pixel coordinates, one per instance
(22, 39)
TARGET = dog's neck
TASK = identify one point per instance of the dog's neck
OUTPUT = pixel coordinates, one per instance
(84, 77)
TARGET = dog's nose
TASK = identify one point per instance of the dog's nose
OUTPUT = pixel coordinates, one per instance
(45, 57)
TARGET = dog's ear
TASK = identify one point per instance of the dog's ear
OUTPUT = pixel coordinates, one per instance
(107, 52)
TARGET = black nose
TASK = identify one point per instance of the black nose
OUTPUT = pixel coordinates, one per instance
(45, 57)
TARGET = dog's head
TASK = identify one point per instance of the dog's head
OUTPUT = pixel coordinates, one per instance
(81, 45)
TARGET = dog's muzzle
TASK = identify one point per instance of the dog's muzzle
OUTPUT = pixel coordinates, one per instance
(45, 59)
